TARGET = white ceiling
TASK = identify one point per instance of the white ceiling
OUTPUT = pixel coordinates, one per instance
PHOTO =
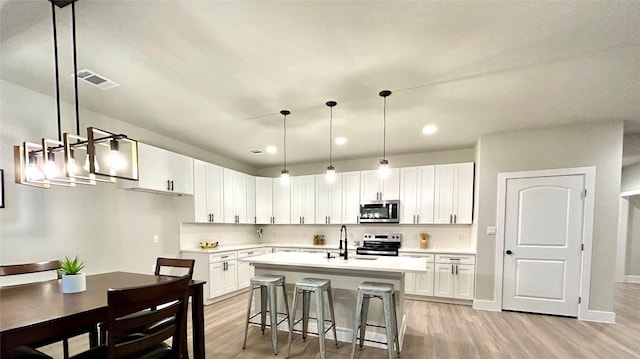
(215, 74)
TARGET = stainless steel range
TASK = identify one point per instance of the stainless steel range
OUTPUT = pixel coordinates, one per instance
(380, 244)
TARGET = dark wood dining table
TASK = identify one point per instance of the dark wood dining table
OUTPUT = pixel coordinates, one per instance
(37, 314)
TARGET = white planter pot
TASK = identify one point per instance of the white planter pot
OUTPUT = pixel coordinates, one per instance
(74, 283)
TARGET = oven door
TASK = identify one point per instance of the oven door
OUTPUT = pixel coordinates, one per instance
(379, 212)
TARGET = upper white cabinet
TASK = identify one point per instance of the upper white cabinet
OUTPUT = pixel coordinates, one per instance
(251, 199)
(207, 192)
(302, 199)
(373, 188)
(235, 197)
(350, 197)
(417, 194)
(264, 200)
(328, 200)
(453, 198)
(281, 202)
(162, 171)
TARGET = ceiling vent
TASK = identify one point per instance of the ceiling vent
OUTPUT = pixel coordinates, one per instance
(96, 79)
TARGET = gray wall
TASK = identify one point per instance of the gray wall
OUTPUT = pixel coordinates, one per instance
(110, 228)
(631, 178)
(596, 144)
(632, 261)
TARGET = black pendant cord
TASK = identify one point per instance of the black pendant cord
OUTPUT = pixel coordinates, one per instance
(75, 66)
(55, 55)
(384, 130)
(330, 136)
(284, 123)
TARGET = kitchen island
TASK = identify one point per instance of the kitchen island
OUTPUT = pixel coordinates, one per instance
(345, 276)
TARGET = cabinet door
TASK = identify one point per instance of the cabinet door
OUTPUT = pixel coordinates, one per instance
(350, 197)
(200, 199)
(410, 282)
(264, 209)
(245, 272)
(425, 194)
(335, 199)
(309, 201)
(443, 197)
(408, 195)
(281, 202)
(424, 281)
(216, 276)
(297, 199)
(464, 193)
(390, 186)
(464, 282)
(181, 173)
(240, 197)
(229, 196)
(214, 192)
(323, 199)
(153, 167)
(443, 283)
(230, 277)
(251, 199)
(369, 185)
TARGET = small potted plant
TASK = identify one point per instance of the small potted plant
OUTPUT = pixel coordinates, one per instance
(73, 280)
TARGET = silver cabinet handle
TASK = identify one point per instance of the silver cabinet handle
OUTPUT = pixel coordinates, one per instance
(249, 253)
(417, 218)
(168, 185)
(223, 257)
(329, 220)
(450, 219)
(452, 269)
(456, 269)
(455, 218)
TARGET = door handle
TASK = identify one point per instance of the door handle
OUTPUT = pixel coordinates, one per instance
(456, 269)
(168, 185)
(450, 218)
(329, 222)
(509, 251)
(455, 218)
(452, 269)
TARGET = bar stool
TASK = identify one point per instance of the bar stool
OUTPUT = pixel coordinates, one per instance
(305, 287)
(268, 292)
(384, 291)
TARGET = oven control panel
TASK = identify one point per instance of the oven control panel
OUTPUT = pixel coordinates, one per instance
(382, 237)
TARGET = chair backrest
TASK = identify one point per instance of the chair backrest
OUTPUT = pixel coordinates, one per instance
(175, 263)
(28, 268)
(141, 318)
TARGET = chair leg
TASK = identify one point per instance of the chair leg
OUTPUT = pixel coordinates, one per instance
(363, 319)
(333, 316)
(320, 320)
(293, 320)
(356, 324)
(263, 307)
(389, 327)
(65, 348)
(306, 303)
(273, 315)
(246, 325)
(395, 323)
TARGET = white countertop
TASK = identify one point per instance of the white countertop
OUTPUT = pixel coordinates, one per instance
(319, 260)
(239, 247)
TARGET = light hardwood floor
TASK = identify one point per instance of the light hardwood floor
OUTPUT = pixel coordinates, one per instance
(442, 331)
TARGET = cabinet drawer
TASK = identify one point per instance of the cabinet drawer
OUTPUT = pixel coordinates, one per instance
(266, 250)
(224, 256)
(278, 250)
(430, 257)
(455, 258)
(249, 252)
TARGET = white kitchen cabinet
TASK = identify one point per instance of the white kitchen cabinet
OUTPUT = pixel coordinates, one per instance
(350, 197)
(373, 188)
(264, 200)
(453, 198)
(216, 286)
(251, 199)
(280, 250)
(302, 199)
(219, 270)
(328, 200)
(420, 283)
(162, 171)
(281, 202)
(207, 192)
(417, 195)
(454, 276)
(245, 269)
(235, 196)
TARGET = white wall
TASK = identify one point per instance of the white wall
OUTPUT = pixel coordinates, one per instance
(631, 178)
(111, 229)
(632, 261)
(590, 144)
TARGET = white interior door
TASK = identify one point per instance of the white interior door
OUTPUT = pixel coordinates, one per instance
(543, 235)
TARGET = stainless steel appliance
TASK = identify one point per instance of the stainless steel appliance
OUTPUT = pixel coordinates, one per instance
(380, 212)
(380, 244)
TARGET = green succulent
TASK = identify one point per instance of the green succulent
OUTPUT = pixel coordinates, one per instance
(71, 267)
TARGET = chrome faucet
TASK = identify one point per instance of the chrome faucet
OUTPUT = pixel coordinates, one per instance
(343, 252)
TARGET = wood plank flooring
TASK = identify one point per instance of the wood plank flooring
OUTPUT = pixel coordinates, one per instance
(441, 331)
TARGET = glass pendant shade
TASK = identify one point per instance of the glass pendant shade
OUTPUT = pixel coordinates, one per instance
(331, 174)
(284, 177)
(383, 170)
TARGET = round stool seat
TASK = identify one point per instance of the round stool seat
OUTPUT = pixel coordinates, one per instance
(313, 284)
(374, 288)
(267, 279)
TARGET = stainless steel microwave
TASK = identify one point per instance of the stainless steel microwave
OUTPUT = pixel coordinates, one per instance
(380, 212)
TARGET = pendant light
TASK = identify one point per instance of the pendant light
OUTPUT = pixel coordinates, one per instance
(284, 174)
(331, 171)
(383, 171)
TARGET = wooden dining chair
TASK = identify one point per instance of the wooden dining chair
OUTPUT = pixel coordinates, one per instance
(174, 263)
(29, 268)
(141, 319)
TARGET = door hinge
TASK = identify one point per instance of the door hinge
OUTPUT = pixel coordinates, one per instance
(583, 194)
(579, 300)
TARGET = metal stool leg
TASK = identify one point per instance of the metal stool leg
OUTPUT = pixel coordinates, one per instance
(389, 327)
(263, 307)
(363, 319)
(356, 324)
(246, 325)
(395, 323)
(293, 319)
(306, 303)
(286, 304)
(273, 315)
(319, 296)
(333, 316)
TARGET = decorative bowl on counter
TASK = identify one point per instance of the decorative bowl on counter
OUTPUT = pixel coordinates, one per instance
(205, 245)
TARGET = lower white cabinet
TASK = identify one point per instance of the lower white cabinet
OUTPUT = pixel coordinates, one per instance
(245, 269)
(454, 276)
(420, 283)
(278, 250)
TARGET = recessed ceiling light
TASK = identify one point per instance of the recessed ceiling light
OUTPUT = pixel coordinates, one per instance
(271, 149)
(429, 129)
(256, 152)
(340, 141)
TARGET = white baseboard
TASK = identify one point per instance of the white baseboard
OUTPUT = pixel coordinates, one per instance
(489, 305)
(632, 278)
(599, 316)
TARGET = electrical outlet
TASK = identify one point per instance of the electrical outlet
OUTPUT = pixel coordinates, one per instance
(156, 238)
(491, 230)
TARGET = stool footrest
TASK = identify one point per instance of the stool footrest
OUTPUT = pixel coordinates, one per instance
(268, 324)
(308, 332)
